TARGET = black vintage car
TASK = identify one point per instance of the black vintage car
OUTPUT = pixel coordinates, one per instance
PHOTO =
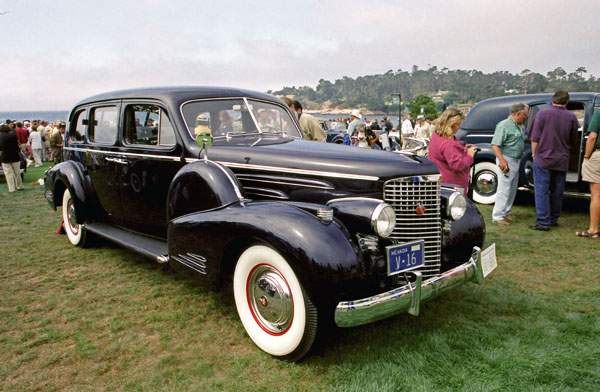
(478, 128)
(219, 183)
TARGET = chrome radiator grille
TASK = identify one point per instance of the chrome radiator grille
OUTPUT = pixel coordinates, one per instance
(409, 196)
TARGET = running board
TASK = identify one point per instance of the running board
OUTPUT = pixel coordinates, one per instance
(151, 247)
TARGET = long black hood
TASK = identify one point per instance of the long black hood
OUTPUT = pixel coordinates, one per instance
(276, 152)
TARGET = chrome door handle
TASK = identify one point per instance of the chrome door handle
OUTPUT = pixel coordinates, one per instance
(116, 160)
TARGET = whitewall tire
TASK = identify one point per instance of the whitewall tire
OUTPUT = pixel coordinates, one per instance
(485, 182)
(272, 305)
(75, 232)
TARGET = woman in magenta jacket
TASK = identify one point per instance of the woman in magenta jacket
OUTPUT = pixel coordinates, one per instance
(452, 158)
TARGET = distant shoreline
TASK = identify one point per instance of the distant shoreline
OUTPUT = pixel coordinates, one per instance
(46, 115)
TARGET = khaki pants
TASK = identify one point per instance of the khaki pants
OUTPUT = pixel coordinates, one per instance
(37, 156)
(12, 173)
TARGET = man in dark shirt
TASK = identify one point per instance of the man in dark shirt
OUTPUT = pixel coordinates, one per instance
(554, 130)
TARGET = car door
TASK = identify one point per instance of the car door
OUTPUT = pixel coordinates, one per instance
(101, 158)
(151, 157)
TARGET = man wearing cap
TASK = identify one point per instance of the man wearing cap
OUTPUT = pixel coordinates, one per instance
(356, 119)
(56, 141)
(423, 129)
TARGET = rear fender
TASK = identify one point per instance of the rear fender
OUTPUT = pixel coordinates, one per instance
(70, 175)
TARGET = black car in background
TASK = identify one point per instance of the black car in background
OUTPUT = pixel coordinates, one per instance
(219, 184)
(480, 123)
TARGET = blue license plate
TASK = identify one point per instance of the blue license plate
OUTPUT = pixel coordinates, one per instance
(404, 257)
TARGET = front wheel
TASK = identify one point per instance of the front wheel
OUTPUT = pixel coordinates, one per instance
(75, 232)
(485, 182)
(272, 305)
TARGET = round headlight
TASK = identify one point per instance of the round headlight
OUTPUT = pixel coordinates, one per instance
(457, 206)
(383, 220)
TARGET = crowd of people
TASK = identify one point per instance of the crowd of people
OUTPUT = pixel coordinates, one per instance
(33, 141)
(553, 131)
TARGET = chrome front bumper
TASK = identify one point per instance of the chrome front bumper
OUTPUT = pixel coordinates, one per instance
(408, 297)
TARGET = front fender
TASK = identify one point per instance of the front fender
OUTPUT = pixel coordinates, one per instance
(459, 237)
(321, 254)
(69, 175)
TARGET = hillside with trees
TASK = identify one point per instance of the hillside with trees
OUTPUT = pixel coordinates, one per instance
(446, 87)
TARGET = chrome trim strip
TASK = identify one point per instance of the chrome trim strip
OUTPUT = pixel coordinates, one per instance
(231, 164)
(193, 261)
(124, 154)
(233, 181)
(577, 195)
(294, 171)
(284, 181)
(354, 198)
(401, 299)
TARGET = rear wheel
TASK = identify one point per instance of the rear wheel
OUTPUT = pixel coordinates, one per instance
(272, 305)
(485, 182)
(75, 232)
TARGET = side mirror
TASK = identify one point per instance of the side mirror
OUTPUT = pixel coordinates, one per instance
(204, 140)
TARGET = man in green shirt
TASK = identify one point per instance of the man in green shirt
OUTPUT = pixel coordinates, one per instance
(591, 173)
(508, 144)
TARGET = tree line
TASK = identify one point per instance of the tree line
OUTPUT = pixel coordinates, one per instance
(447, 87)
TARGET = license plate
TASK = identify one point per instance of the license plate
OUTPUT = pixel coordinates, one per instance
(404, 257)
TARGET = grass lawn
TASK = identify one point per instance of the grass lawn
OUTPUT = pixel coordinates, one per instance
(107, 319)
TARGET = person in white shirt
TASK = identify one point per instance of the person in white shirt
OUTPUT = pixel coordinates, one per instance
(35, 141)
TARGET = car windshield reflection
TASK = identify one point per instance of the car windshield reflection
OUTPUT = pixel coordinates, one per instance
(231, 117)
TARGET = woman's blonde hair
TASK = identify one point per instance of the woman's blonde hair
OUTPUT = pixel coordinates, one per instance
(444, 123)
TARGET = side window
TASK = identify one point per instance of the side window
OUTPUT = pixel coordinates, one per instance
(148, 125)
(166, 132)
(103, 124)
(76, 127)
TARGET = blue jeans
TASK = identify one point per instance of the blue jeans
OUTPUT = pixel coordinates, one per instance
(549, 188)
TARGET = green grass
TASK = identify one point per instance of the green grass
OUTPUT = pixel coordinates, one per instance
(107, 319)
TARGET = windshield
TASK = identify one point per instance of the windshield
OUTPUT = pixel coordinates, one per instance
(229, 117)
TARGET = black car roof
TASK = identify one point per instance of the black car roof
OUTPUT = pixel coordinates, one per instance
(179, 94)
(487, 113)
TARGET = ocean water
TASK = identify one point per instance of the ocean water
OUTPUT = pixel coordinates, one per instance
(49, 115)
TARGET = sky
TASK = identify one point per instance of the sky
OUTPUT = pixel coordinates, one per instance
(55, 53)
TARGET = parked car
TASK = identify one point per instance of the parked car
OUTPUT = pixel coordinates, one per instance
(480, 123)
(335, 131)
(219, 183)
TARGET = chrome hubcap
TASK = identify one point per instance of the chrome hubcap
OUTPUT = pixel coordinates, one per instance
(270, 299)
(72, 221)
(487, 183)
